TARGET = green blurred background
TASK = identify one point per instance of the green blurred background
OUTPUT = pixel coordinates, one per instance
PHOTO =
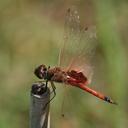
(30, 33)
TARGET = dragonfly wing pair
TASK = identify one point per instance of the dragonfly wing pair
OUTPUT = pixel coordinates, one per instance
(77, 50)
(78, 45)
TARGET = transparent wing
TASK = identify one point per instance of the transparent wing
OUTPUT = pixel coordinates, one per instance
(77, 49)
(78, 45)
(71, 28)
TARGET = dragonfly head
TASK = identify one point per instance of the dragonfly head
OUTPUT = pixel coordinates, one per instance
(41, 71)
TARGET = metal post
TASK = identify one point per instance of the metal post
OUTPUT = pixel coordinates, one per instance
(39, 109)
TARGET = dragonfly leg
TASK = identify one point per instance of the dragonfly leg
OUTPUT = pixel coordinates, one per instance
(46, 84)
(53, 91)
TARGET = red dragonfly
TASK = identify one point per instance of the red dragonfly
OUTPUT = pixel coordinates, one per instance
(74, 61)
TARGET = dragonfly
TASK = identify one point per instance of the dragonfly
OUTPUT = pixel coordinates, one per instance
(74, 68)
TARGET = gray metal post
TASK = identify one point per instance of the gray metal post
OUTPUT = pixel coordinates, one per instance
(39, 111)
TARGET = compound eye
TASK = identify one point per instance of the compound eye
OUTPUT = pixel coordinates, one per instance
(40, 71)
(45, 69)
